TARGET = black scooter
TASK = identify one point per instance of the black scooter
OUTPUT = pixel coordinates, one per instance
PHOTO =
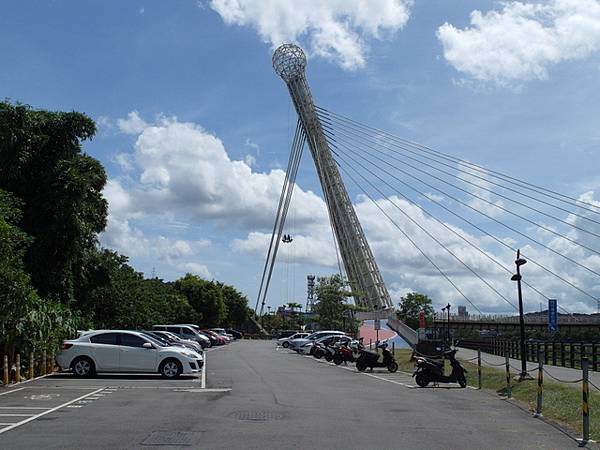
(370, 359)
(428, 371)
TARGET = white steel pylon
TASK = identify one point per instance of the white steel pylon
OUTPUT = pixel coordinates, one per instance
(363, 274)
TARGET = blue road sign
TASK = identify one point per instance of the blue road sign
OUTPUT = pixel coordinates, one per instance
(552, 316)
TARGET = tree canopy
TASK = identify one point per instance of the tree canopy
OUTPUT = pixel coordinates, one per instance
(410, 307)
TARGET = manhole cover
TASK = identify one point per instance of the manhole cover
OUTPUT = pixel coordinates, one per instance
(172, 438)
(258, 416)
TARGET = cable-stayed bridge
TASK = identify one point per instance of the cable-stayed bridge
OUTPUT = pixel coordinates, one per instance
(392, 172)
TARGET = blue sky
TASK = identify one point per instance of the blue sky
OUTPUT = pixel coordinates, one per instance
(193, 123)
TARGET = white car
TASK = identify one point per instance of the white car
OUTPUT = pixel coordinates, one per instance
(126, 351)
(285, 342)
(297, 344)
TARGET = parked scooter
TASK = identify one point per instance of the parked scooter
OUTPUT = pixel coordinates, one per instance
(371, 359)
(321, 350)
(428, 371)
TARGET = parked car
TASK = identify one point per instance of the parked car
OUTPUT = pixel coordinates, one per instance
(185, 332)
(175, 340)
(221, 340)
(327, 339)
(296, 344)
(213, 337)
(126, 351)
(285, 341)
(236, 334)
(222, 332)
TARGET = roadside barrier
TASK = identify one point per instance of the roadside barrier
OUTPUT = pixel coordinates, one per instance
(21, 369)
(541, 359)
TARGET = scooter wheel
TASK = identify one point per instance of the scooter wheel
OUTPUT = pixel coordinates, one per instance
(462, 381)
(337, 359)
(393, 366)
(317, 355)
(361, 366)
(328, 357)
(422, 380)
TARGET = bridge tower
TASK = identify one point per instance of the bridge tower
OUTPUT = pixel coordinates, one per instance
(289, 62)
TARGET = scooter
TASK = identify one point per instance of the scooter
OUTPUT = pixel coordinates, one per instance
(370, 359)
(343, 354)
(428, 371)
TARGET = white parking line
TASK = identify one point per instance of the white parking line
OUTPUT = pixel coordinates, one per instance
(11, 391)
(21, 407)
(23, 422)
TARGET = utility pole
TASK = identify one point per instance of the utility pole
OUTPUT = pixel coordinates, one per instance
(449, 341)
(517, 277)
(365, 279)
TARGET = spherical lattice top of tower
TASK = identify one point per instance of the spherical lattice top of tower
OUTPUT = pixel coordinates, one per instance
(289, 62)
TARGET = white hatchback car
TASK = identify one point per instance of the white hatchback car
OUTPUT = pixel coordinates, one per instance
(126, 351)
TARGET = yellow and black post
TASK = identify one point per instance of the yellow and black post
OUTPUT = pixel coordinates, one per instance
(478, 368)
(18, 368)
(507, 364)
(540, 389)
(585, 407)
(5, 379)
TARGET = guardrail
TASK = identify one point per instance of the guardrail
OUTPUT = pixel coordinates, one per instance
(565, 354)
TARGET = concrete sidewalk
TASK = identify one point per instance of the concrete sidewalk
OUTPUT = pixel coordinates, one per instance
(562, 373)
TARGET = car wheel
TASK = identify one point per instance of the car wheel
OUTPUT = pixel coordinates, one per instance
(83, 367)
(286, 344)
(170, 368)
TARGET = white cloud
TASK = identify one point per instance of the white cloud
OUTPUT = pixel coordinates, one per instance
(333, 29)
(196, 269)
(183, 174)
(133, 124)
(521, 41)
(250, 160)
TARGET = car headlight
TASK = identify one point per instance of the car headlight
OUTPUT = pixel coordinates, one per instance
(190, 355)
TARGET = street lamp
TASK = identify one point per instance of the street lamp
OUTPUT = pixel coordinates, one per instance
(448, 308)
(517, 277)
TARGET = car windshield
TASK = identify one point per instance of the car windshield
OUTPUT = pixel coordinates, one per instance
(155, 340)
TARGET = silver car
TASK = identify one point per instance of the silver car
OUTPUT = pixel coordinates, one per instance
(297, 344)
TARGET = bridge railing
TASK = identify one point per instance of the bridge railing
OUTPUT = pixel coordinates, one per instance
(532, 319)
(565, 354)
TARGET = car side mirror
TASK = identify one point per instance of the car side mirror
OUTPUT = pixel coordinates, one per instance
(147, 345)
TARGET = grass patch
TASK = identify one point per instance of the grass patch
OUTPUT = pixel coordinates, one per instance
(562, 402)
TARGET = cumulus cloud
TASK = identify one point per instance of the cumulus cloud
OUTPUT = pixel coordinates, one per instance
(132, 124)
(182, 172)
(521, 41)
(335, 29)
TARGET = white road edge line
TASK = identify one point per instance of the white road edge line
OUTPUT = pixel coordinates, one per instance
(23, 422)
(12, 390)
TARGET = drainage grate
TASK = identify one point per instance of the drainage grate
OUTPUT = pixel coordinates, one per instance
(172, 438)
(257, 416)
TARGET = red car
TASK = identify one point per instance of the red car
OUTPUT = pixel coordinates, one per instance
(220, 339)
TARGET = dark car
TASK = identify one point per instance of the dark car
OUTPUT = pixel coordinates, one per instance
(236, 334)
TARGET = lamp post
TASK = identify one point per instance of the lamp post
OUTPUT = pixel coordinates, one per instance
(448, 308)
(517, 277)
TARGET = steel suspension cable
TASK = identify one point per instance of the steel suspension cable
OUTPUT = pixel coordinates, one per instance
(425, 231)
(492, 218)
(357, 134)
(498, 240)
(549, 230)
(284, 199)
(539, 189)
(409, 238)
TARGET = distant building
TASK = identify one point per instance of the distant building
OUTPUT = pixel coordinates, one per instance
(462, 311)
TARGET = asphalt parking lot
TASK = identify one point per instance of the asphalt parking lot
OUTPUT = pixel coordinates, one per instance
(257, 397)
(63, 398)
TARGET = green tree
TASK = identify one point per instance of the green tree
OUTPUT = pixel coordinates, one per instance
(42, 163)
(206, 297)
(331, 307)
(410, 307)
(237, 306)
(26, 321)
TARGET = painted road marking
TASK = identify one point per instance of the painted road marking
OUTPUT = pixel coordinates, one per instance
(13, 390)
(203, 382)
(29, 419)
(22, 407)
